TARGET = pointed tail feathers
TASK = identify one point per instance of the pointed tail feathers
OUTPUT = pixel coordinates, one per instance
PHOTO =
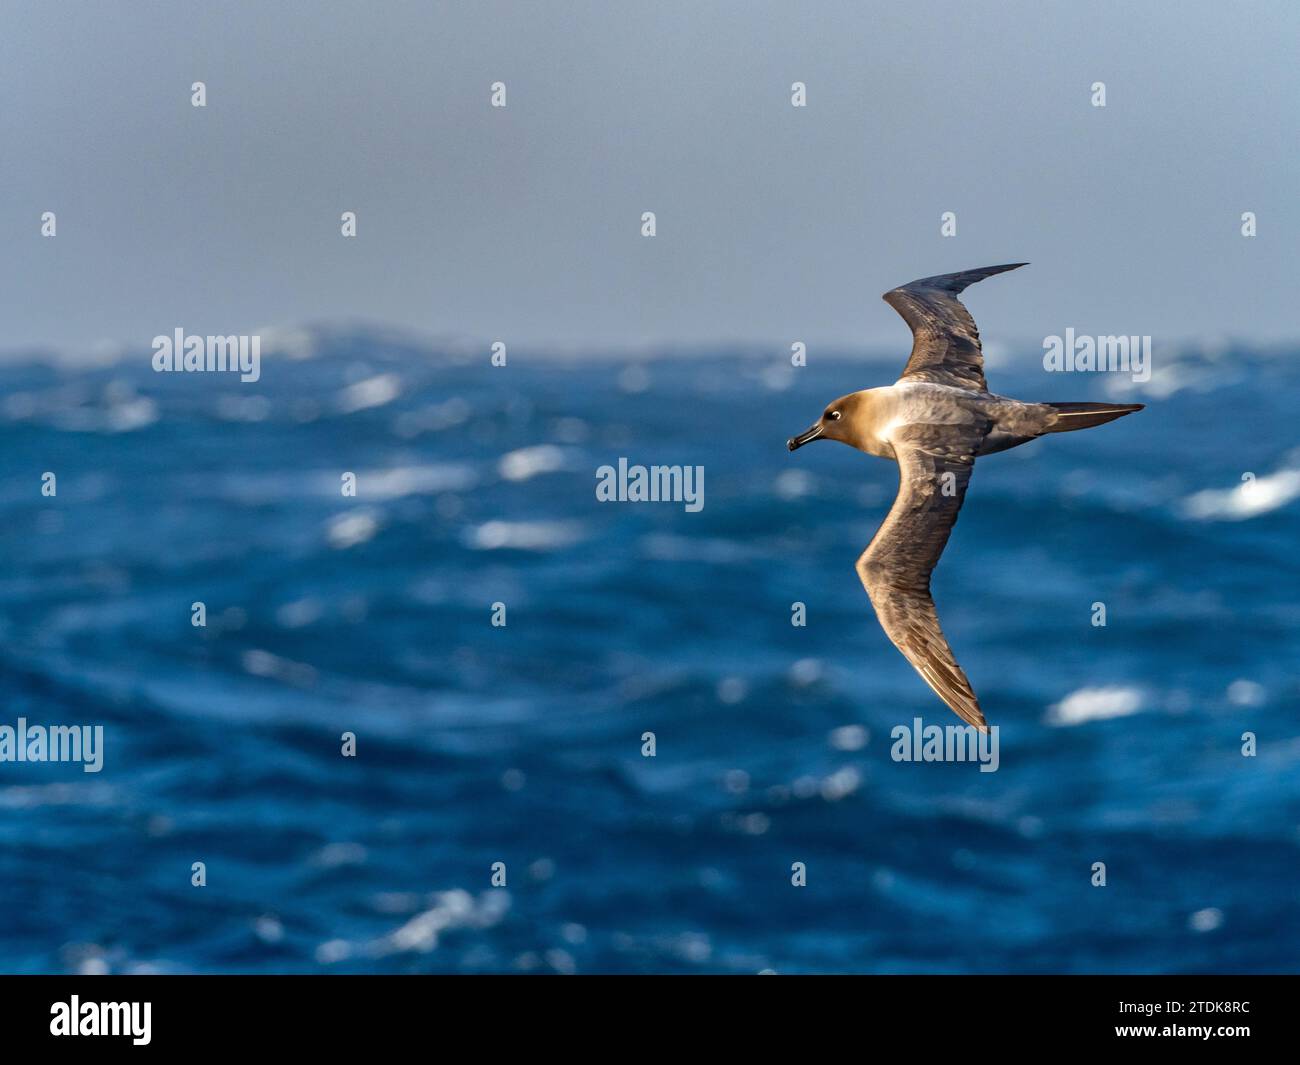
(1071, 416)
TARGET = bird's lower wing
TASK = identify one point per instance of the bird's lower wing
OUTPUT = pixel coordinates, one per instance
(934, 468)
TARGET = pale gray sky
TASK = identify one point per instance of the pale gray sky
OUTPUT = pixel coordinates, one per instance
(523, 224)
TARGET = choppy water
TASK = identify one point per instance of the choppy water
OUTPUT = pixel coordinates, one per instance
(522, 744)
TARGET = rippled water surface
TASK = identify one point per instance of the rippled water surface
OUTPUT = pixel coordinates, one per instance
(522, 744)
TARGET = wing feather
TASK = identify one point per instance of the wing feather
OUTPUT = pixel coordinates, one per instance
(934, 464)
(945, 343)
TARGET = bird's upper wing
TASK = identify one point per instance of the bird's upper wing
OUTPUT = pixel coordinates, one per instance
(934, 467)
(945, 343)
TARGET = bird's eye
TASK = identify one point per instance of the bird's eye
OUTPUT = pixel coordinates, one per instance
(834, 415)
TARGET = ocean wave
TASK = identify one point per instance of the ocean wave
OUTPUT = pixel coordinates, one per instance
(524, 535)
(526, 741)
(1253, 497)
(1094, 704)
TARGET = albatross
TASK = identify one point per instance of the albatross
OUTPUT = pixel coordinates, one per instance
(935, 421)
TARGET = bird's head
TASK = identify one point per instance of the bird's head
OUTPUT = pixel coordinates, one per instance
(839, 421)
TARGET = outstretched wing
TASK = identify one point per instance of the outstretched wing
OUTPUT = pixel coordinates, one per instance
(934, 467)
(945, 343)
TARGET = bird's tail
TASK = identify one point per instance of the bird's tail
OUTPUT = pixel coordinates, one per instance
(1071, 416)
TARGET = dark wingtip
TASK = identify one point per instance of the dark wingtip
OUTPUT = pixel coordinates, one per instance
(956, 283)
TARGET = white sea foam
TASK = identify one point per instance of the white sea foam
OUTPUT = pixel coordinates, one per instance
(1246, 693)
(398, 481)
(794, 484)
(1094, 704)
(352, 528)
(849, 738)
(264, 664)
(1247, 500)
(528, 462)
(450, 910)
(523, 535)
(434, 418)
(31, 796)
(372, 392)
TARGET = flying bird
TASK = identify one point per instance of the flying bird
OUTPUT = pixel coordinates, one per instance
(935, 421)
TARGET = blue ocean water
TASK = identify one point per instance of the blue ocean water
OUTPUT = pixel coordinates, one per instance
(522, 744)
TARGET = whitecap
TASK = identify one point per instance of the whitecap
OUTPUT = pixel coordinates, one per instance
(372, 392)
(399, 481)
(445, 415)
(450, 909)
(841, 784)
(261, 663)
(523, 535)
(348, 530)
(806, 671)
(333, 951)
(1249, 499)
(528, 462)
(128, 414)
(794, 484)
(1246, 693)
(268, 928)
(1164, 381)
(849, 738)
(1094, 704)
(299, 613)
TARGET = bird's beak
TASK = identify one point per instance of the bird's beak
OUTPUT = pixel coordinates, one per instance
(806, 437)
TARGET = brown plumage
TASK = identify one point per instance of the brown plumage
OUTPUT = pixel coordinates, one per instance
(934, 422)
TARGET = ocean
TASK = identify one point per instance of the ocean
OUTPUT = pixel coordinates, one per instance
(518, 752)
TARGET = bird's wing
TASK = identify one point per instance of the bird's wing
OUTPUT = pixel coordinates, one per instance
(945, 343)
(934, 467)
